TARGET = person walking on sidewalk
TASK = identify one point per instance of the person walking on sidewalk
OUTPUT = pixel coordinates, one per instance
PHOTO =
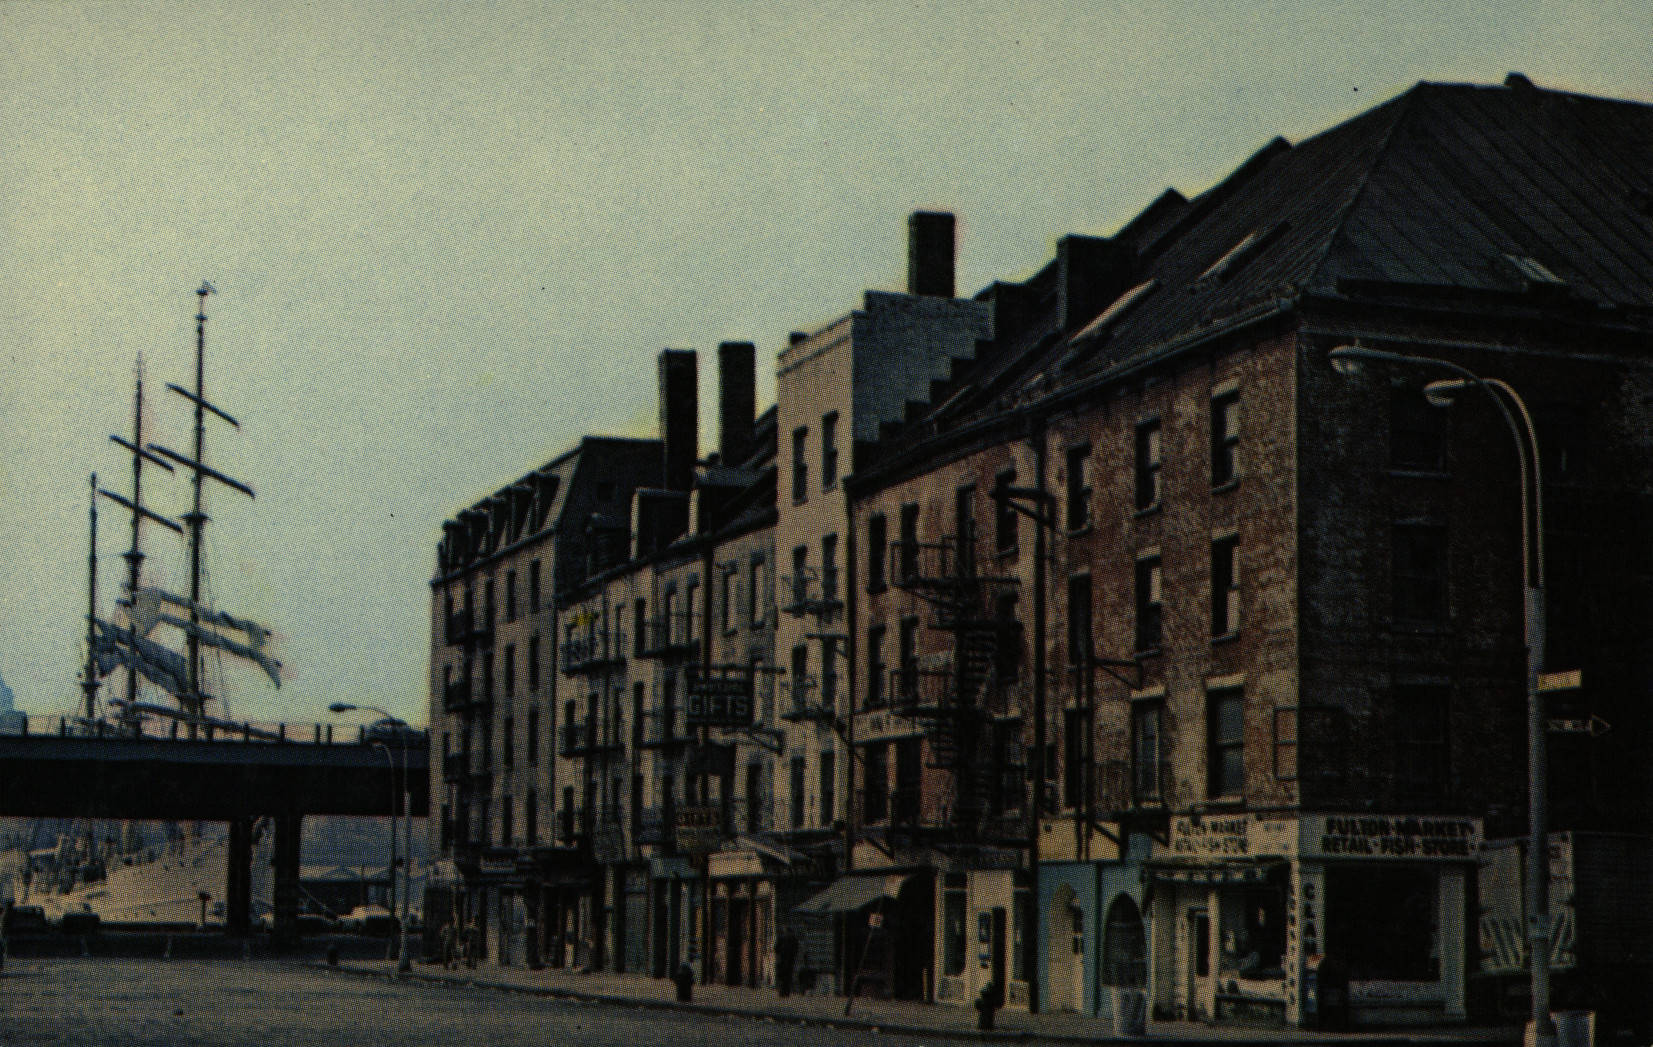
(786, 956)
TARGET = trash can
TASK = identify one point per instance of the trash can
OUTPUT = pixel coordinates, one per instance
(1130, 1010)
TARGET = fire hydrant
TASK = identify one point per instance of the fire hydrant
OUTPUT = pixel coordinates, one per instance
(685, 983)
(986, 1004)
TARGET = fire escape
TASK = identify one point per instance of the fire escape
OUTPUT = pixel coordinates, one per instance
(593, 652)
(469, 772)
(950, 700)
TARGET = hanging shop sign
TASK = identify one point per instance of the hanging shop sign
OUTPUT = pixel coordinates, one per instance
(720, 701)
(698, 830)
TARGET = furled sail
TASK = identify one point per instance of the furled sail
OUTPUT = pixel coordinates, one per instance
(147, 613)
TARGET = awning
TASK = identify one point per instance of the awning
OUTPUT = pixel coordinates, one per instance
(850, 893)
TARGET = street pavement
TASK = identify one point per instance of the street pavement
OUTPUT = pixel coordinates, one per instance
(930, 1022)
(102, 1002)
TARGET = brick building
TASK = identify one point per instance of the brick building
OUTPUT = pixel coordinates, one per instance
(1099, 636)
(1282, 677)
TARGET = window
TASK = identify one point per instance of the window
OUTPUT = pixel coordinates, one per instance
(1225, 439)
(1006, 533)
(800, 466)
(1417, 431)
(1422, 758)
(691, 611)
(908, 769)
(907, 568)
(907, 659)
(1149, 631)
(1419, 574)
(670, 625)
(875, 790)
(487, 676)
(800, 575)
(763, 688)
(829, 450)
(636, 807)
(488, 601)
(506, 809)
(639, 697)
(1147, 756)
(510, 596)
(1383, 919)
(1078, 502)
(755, 590)
(800, 677)
(828, 784)
(754, 797)
(510, 669)
(1007, 640)
(1285, 743)
(533, 735)
(1081, 638)
(797, 792)
(1225, 586)
(953, 940)
(639, 626)
(1253, 924)
(533, 587)
(531, 818)
(829, 674)
(534, 662)
(829, 568)
(1225, 743)
(1076, 735)
(729, 600)
(1147, 465)
(875, 666)
(878, 539)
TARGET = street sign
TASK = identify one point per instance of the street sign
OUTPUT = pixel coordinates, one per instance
(1594, 726)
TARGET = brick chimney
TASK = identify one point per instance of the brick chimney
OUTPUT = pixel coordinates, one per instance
(930, 254)
(736, 400)
(679, 417)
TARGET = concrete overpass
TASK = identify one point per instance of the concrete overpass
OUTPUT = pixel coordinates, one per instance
(234, 781)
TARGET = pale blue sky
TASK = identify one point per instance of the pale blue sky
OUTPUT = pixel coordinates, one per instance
(449, 238)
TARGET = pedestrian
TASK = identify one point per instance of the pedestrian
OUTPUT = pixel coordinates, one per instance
(786, 956)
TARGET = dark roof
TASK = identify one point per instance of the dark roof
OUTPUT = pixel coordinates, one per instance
(1510, 194)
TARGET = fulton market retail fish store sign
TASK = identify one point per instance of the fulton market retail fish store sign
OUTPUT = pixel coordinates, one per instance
(1390, 836)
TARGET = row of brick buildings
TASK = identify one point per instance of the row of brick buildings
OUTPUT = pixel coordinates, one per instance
(1094, 632)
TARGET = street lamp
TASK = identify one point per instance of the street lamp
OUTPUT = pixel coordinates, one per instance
(1348, 360)
(404, 959)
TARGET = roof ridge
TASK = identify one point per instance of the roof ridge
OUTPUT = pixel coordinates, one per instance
(1404, 104)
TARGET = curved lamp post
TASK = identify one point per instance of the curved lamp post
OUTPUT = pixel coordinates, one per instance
(404, 959)
(1347, 360)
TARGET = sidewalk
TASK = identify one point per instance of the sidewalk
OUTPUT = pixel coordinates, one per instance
(900, 1016)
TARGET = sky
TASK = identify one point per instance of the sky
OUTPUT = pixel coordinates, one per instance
(448, 239)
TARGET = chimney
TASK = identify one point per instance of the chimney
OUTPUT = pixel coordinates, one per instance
(930, 254)
(679, 417)
(736, 400)
(1092, 273)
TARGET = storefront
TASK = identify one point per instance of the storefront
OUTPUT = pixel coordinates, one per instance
(743, 906)
(884, 931)
(1246, 913)
(982, 920)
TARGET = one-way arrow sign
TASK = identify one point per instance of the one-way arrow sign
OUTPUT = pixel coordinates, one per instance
(1595, 726)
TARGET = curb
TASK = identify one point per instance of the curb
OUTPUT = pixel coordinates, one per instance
(899, 1029)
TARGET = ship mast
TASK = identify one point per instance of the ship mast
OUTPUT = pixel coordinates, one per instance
(194, 699)
(90, 683)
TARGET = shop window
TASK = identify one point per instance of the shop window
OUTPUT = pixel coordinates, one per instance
(1253, 933)
(1381, 921)
(1225, 744)
(953, 943)
(1148, 463)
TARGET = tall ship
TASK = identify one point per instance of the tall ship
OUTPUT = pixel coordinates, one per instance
(126, 872)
